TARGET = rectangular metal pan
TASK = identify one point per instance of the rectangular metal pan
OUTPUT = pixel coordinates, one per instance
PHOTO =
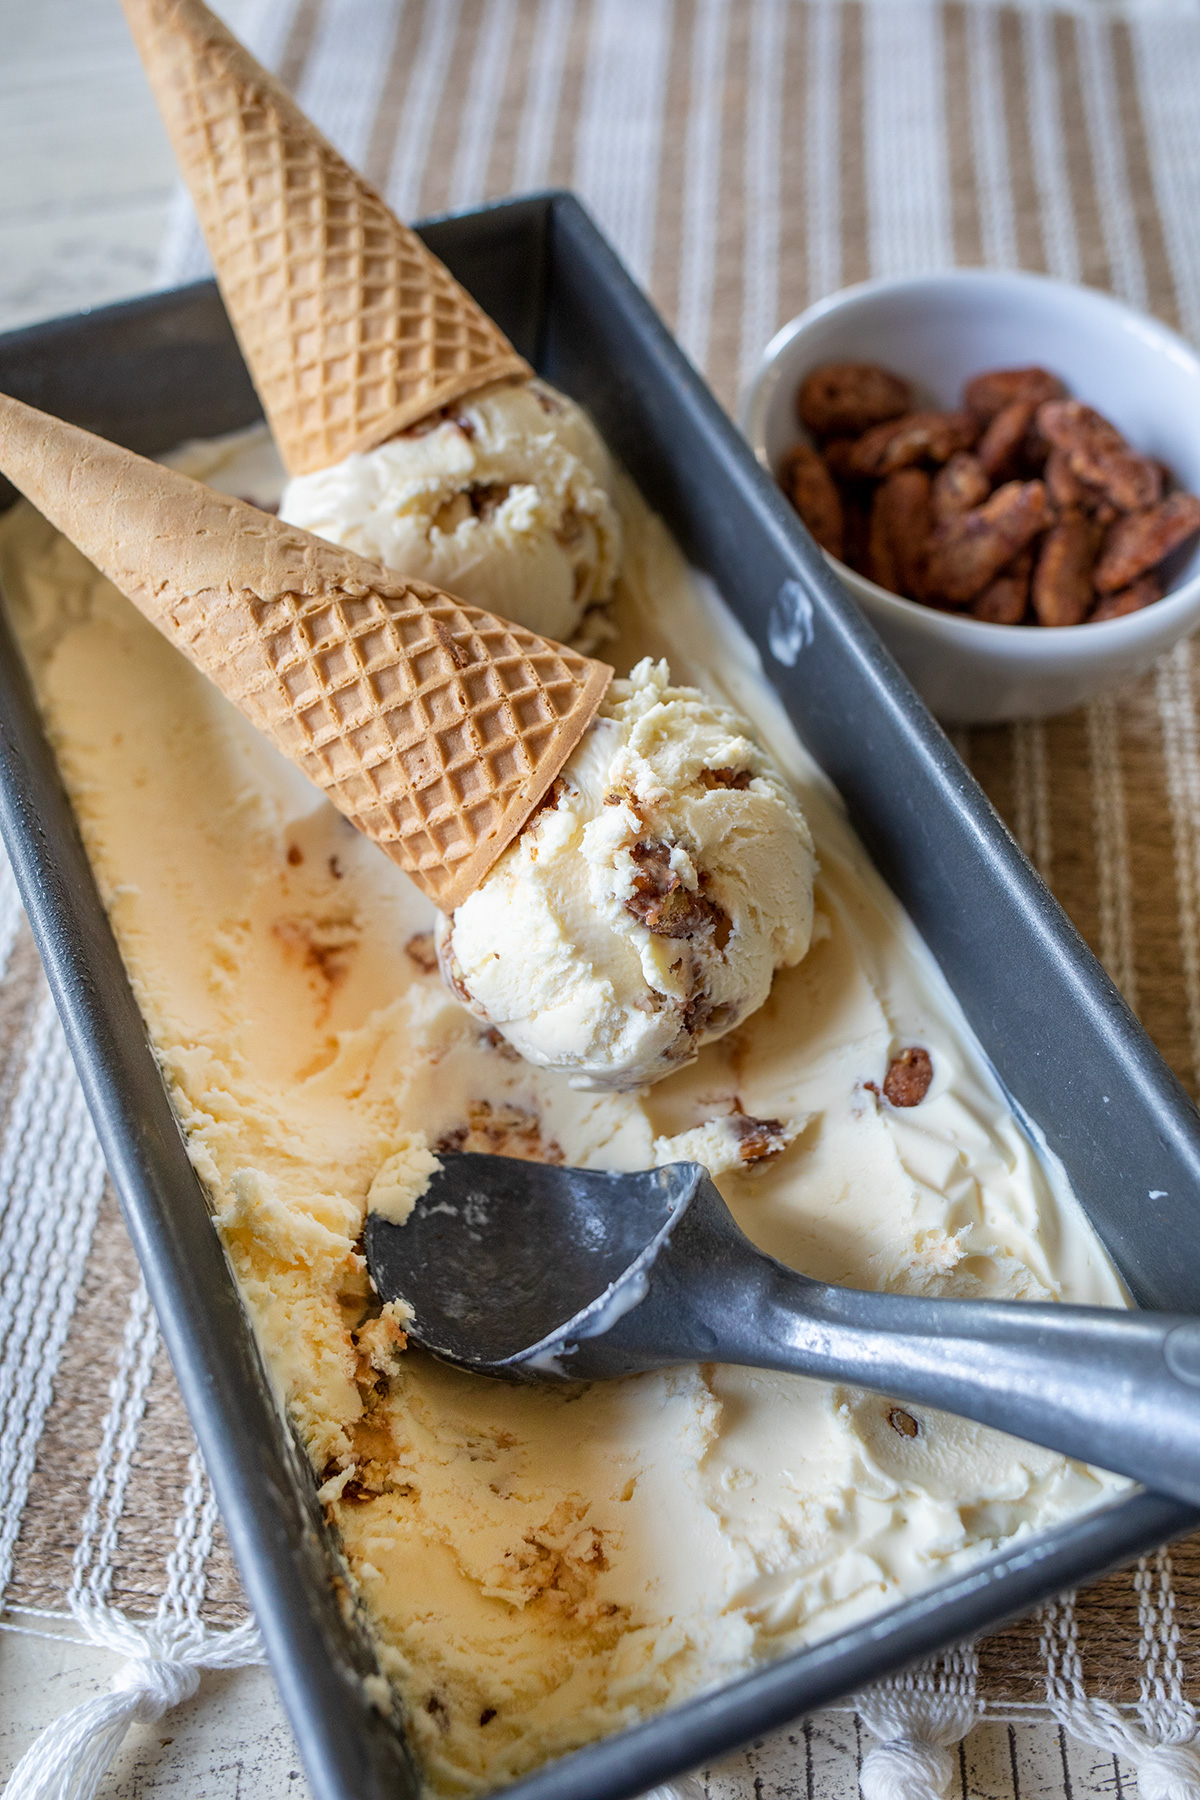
(154, 371)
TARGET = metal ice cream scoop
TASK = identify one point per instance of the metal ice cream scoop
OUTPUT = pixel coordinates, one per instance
(535, 1273)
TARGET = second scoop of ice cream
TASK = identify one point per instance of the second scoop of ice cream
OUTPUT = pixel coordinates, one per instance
(504, 499)
(646, 907)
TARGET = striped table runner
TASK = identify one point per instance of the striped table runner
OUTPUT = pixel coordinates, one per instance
(746, 157)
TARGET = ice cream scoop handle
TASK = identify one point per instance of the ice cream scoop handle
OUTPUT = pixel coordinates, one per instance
(1119, 1389)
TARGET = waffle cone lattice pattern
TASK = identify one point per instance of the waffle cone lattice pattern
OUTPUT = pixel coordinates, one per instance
(435, 727)
(351, 328)
(431, 725)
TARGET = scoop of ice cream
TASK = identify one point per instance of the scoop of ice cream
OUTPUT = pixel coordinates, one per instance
(646, 906)
(503, 499)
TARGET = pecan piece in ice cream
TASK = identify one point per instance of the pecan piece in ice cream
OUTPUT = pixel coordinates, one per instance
(420, 950)
(757, 1138)
(726, 778)
(809, 486)
(663, 905)
(1138, 543)
(909, 1075)
(845, 399)
(918, 437)
(1062, 581)
(985, 395)
(966, 552)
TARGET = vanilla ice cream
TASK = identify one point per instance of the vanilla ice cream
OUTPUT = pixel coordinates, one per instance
(646, 907)
(503, 499)
(543, 1566)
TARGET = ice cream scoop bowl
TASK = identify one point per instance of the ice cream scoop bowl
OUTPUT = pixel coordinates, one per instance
(533, 1272)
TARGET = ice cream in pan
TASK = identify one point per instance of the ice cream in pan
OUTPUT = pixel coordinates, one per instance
(542, 1567)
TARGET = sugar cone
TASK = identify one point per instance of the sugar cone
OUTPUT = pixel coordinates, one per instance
(351, 328)
(435, 727)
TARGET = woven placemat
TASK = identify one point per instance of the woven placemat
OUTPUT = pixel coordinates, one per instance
(747, 158)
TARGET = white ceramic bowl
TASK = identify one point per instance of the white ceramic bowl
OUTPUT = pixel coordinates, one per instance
(937, 330)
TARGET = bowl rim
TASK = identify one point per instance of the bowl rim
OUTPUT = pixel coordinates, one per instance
(961, 628)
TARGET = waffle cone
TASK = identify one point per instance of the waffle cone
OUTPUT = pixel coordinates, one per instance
(434, 727)
(351, 328)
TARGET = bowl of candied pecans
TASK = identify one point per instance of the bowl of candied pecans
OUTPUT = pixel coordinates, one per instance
(1003, 470)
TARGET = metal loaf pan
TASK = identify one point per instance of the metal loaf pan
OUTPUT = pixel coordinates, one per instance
(154, 371)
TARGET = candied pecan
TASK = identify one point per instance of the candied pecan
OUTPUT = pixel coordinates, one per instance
(1098, 455)
(844, 399)
(1144, 592)
(986, 394)
(967, 552)
(1000, 449)
(880, 553)
(1034, 451)
(1067, 493)
(664, 906)
(917, 437)
(909, 1075)
(857, 530)
(1062, 581)
(959, 485)
(1005, 600)
(836, 456)
(1139, 542)
(901, 521)
(809, 486)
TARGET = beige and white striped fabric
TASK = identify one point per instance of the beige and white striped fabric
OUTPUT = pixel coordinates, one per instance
(746, 157)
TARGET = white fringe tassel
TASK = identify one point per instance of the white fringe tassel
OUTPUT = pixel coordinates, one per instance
(1164, 1744)
(1165, 1770)
(163, 1656)
(68, 1761)
(920, 1719)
